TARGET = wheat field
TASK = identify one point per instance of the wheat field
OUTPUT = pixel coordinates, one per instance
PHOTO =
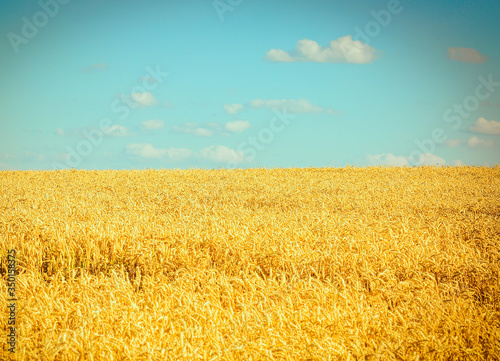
(376, 263)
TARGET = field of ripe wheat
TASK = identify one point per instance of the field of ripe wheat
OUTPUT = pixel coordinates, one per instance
(259, 264)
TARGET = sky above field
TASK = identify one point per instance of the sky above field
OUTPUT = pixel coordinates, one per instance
(121, 84)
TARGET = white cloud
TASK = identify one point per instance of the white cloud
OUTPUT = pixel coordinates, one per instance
(387, 159)
(214, 153)
(453, 142)
(209, 129)
(233, 108)
(213, 125)
(279, 55)
(237, 126)
(116, 131)
(468, 55)
(89, 69)
(148, 79)
(198, 131)
(179, 153)
(291, 105)
(6, 156)
(456, 162)
(153, 124)
(391, 159)
(342, 50)
(223, 154)
(34, 156)
(145, 99)
(475, 142)
(109, 131)
(430, 159)
(145, 150)
(482, 125)
(202, 132)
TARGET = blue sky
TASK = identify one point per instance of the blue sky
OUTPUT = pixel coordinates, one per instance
(121, 84)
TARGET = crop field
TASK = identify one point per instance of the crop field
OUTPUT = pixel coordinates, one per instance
(380, 263)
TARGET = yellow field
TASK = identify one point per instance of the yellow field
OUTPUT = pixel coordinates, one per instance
(294, 264)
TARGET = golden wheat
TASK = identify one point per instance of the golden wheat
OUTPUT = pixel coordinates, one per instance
(290, 264)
